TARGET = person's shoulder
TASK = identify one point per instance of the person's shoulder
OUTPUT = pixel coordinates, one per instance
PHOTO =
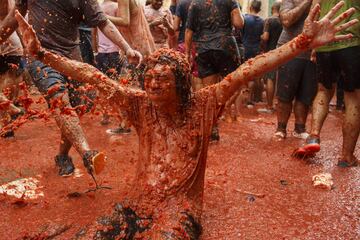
(165, 11)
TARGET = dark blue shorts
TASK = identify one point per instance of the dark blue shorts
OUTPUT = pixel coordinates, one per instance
(250, 52)
(45, 78)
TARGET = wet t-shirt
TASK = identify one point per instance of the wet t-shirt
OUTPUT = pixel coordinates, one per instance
(274, 27)
(354, 30)
(210, 20)
(56, 22)
(182, 8)
(288, 33)
(172, 155)
(253, 28)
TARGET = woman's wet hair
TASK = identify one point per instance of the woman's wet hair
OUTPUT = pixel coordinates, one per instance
(180, 68)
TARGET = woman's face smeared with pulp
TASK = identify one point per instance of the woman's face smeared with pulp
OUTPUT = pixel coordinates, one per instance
(160, 84)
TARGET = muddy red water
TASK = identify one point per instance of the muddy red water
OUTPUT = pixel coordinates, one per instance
(253, 188)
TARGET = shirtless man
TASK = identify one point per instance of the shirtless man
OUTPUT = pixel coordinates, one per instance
(57, 23)
(161, 24)
(174, 126)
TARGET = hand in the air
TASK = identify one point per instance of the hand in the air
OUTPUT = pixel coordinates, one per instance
(30, 40)
(323, 31)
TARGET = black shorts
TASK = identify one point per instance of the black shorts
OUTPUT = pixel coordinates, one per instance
(297, 79)
(270, 75)
(217, 62)
(11, 63)
(344, 62)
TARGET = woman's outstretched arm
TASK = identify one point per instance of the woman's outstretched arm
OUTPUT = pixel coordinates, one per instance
(76, 70)
(315, 33)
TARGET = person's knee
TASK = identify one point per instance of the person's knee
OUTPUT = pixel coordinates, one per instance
(326, 90)
(352, 100)
(285, 101)
(58, 99)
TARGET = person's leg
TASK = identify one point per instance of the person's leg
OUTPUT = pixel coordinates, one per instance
(7, 105)
(69, 125)
(9, 79)
(111, 64)
(46, 79)
(270, 89)
(288, 82)
(305, 94)
(86, 46)
(320, 108)
(327, 73)
(208, 81)
(340, 94)
(283, 114)
(349, 61)
(258, 89)
(351, 127)
(250, 53)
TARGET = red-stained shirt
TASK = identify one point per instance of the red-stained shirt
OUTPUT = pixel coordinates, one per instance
(56, 22)
(172, 156)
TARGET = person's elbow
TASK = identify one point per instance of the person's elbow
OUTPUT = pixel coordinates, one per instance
(286, 23)
(285, 20)
(237, 19)
(119, 22)
(125, 23)
(238, 24)
(265, 37)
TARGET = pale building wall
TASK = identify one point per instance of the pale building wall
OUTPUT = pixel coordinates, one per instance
(264, 7)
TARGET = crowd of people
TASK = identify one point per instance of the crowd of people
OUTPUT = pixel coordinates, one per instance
(184, 68)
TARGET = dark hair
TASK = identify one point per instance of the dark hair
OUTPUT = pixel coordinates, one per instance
(256, 5)
(179, 66)
(276, 6)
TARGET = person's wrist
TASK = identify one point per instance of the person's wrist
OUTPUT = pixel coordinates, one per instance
(128, 50)
(303, 41)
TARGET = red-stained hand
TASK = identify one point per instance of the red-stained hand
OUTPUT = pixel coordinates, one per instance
(323, 31)
(134, 56)
(165, 22)
(30, 40)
